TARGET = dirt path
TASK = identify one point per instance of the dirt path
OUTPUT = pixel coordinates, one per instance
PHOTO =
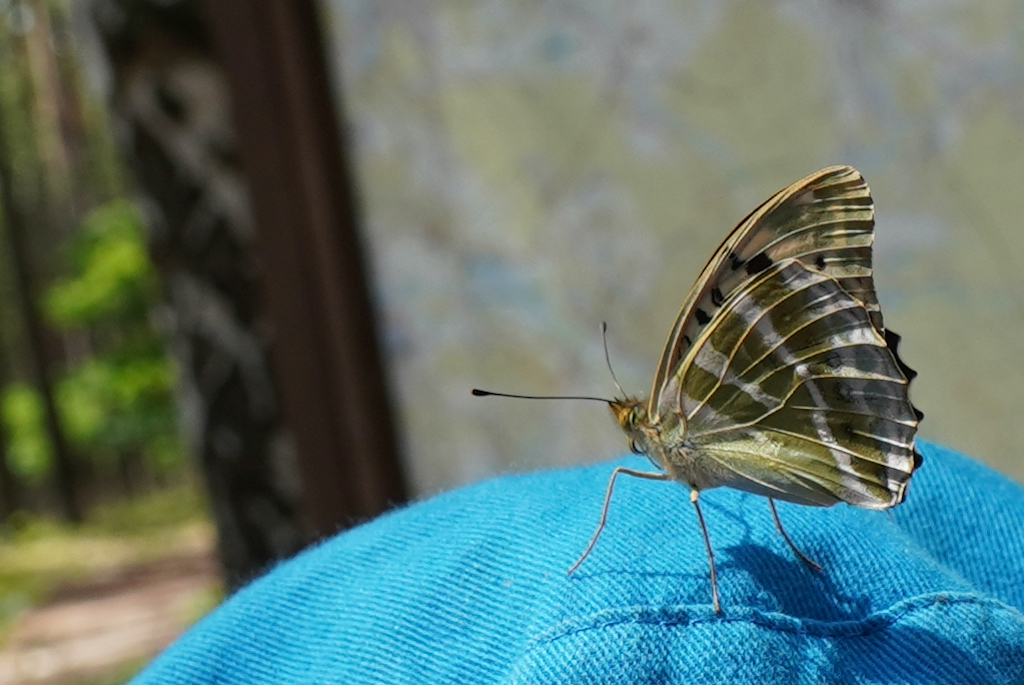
(93, 629)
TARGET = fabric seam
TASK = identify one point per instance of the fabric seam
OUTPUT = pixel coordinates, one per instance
(871, 624)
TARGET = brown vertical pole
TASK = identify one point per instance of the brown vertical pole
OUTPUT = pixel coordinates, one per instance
(324, 338)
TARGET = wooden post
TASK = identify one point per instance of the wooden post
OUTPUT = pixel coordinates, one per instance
(324, 345)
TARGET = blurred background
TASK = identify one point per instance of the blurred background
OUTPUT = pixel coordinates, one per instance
(253, 256)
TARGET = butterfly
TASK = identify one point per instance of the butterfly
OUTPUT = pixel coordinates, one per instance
(779, 377)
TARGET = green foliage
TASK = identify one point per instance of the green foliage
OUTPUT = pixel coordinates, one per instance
(120, 400)
(115, 279)
(110, 404)
(107, 408)
(29, 454)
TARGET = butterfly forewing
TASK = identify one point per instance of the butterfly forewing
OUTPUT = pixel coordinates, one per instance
(780, 364)
(826, 221)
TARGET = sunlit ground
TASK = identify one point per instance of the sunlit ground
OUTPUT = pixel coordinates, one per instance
(93, 605)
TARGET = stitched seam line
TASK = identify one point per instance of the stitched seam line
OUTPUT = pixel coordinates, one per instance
(869, 625)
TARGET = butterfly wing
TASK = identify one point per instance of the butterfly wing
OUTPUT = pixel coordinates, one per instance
(790, 387)
(825, 220)
(794, 394)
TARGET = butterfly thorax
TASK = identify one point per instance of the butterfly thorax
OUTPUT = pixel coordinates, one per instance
(651, 436)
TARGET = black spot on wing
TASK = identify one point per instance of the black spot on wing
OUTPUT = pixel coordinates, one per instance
(702, 317)
(734, 261)
(918, 460)
(716, 297)
(687, 341)
(820, 262)
(758, 263)
(918, 413)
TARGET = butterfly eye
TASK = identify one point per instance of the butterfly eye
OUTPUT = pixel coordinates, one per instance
(634, 418)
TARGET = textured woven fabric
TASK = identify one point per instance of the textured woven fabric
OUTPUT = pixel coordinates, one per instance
(471, 587)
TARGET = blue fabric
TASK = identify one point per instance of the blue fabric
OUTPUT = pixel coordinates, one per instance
(471, 587)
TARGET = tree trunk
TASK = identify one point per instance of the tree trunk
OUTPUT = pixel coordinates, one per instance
(10, 489)
(174, 121)
(298, 239)
(14, 222)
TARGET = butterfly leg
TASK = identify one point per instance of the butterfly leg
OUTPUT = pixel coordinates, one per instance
(607, 502)
(778, 524)
(694, 497)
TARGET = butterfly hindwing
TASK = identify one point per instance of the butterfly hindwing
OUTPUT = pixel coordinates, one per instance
(794, 394)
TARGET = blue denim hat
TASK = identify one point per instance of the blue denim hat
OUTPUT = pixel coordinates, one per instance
(471, 587)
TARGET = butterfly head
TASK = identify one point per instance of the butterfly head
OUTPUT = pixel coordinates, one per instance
(631, 414)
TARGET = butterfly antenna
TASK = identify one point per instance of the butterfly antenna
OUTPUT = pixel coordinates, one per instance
(607, 357)
(477, 392)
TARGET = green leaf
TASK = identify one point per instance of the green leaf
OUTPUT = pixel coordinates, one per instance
(116, 278)
(29, 453)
